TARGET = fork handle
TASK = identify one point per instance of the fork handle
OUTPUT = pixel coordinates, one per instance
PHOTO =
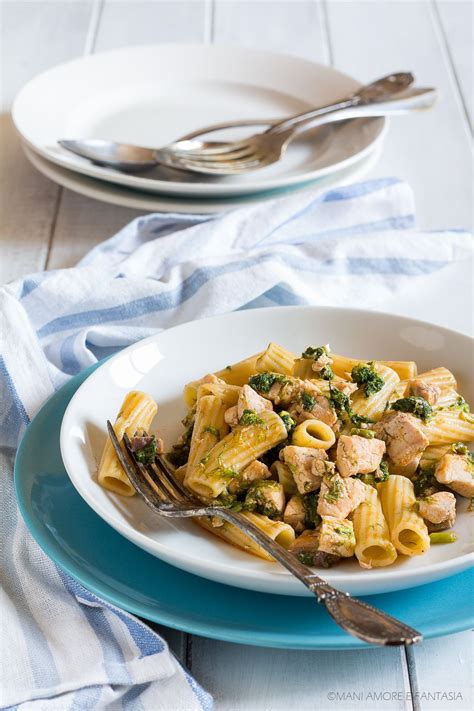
(354, 616)
(376, 91)
(411, 100)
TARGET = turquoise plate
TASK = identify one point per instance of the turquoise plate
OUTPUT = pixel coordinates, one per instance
(114, 569)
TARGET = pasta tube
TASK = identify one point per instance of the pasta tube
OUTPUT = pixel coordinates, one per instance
(277, 530)
(229, 394)
(374, 548)
(276, 359)
(373, 406)
(448, 398)
(209, 428)
(285, 477)
(448, 426)
(442, 377)
(405, 369)
(239, 448)
(408, 531)
(239, 373)
(137, 412)
(432, 454)
(313, 433)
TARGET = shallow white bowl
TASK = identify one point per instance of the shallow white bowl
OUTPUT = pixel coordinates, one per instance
(162, 364)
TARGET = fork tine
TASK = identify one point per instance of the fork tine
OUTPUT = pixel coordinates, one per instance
(234, 154)
(219, 168)
(175, 482)
(163, 477)
(139, 483)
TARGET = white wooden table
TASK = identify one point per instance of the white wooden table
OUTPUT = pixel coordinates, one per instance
(44, 226)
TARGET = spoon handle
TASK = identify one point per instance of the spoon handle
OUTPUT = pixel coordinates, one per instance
(379, 90)
(411, 100)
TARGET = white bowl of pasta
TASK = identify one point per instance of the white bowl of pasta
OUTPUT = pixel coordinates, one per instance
(357, 462)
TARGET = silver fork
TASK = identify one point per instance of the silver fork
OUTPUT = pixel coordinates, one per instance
(263, 149)
(168, 497)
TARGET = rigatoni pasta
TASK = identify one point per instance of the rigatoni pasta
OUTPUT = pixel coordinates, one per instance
(408, 531)
(373, 549)
(333, 457)
(137, 413)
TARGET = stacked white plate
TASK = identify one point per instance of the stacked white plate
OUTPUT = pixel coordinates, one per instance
(152, 95)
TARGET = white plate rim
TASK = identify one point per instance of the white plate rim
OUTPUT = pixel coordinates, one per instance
(281, 582)
(76, 164)
(153, 202)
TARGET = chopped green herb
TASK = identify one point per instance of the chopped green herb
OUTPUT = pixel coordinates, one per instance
(305, 557)
(257, 497)
(462, 449)
(250, 417)
(314, 353)
(334, 492)
(262, 382)
(342, 405)
(443, 537)
(382, 472)
(228, 501)
(340, 401)
(361, 432)
(358, 420)
(344, 531)
(326, 373)
(459, 448)
(458, 404)
(425, 479)
(367, 378)
(212, 430)
(311, 516)
(289, 422)
(368, 479)
(307, 401)
(145, 452)
(417, 406)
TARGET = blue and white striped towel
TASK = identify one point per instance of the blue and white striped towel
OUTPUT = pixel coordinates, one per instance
(353, 246)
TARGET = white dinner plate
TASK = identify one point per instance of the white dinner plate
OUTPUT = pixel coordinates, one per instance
(140, 200)
(162, 364)
(152, 95)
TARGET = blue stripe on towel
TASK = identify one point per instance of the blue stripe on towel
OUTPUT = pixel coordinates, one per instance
(202, 275)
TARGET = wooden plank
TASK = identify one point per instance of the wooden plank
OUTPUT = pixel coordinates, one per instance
(431, 150)
(38, 35)
(28, 206)
(281, 25)
(444, 673)
(456, 19)
(81, 224)
(151, 22)
(243, 678)
(35, 36)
